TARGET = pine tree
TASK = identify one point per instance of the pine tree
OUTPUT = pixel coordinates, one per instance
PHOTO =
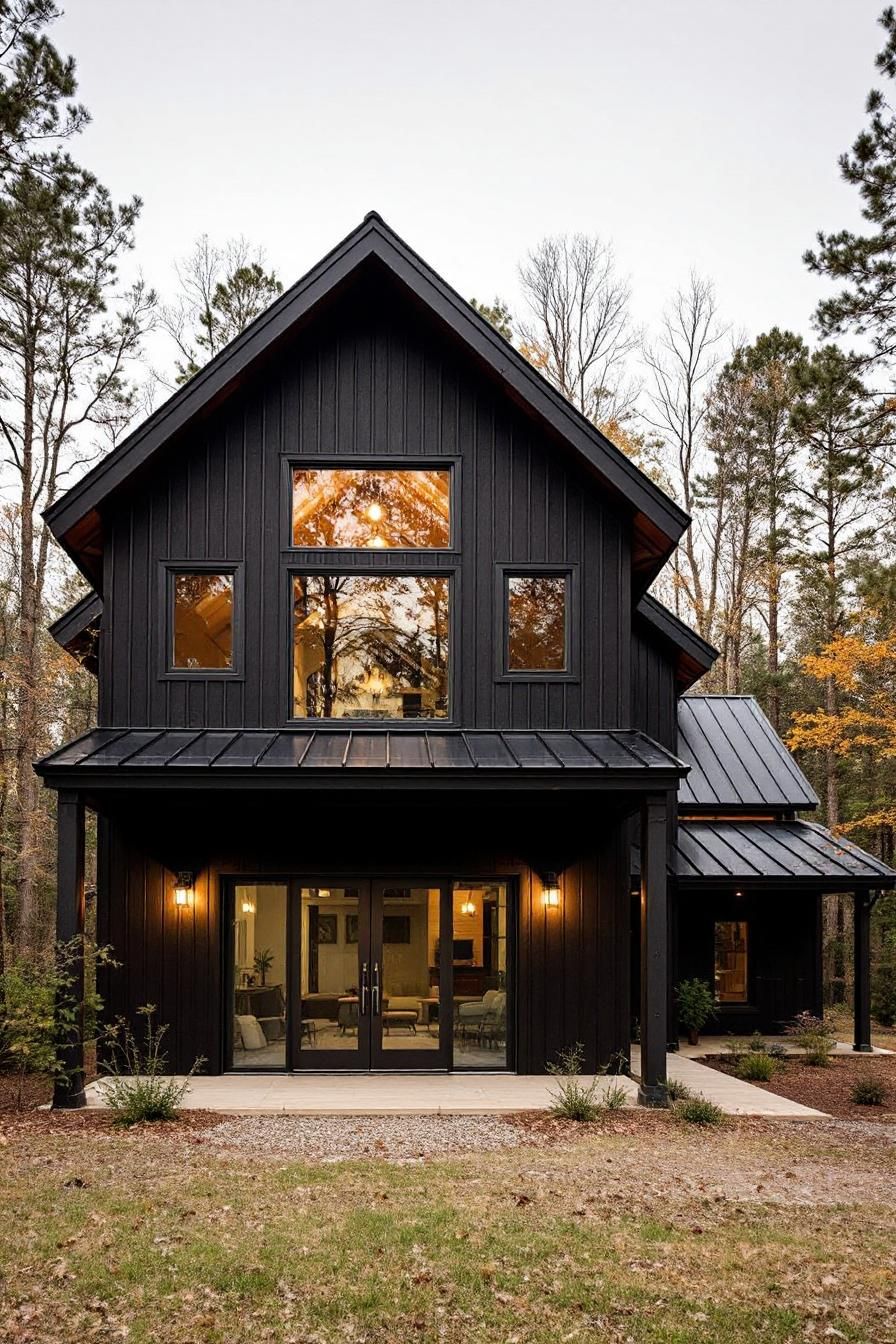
(865, 263)
(498, 314)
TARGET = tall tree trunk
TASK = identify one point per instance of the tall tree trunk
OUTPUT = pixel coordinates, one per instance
(26, 692)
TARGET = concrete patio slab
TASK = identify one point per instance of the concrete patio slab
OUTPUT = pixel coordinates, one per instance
(449, 1094)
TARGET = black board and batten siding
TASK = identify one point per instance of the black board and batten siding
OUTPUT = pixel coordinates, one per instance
(372, 379)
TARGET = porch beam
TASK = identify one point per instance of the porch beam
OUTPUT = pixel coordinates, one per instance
(654, 950)
(861, 932)
(68, 1089)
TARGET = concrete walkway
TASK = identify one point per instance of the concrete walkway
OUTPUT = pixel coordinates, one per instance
(452, 1093)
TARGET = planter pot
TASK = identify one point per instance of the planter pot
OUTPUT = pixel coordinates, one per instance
(693, 1036)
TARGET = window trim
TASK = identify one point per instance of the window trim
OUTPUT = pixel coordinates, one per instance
(168, 570)
(531, 569)
(372, 462)
(450, 572)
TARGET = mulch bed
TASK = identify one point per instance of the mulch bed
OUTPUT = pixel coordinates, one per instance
(23, 1124)
(828, 1089)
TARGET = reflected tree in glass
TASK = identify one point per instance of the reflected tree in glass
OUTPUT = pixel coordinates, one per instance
(536, 622)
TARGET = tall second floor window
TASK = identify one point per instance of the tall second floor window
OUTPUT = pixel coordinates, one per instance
(372, 508)
(370, 646)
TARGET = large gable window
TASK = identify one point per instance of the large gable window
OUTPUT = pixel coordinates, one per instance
(370, 646)
(371, 508)
(202, 621)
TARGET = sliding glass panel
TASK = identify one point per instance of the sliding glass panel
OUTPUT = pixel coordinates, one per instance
(370, 646)
(330, 973)
(410, 1016)
(203, 621)
(377, 509)
(259, 995)
(479, 912)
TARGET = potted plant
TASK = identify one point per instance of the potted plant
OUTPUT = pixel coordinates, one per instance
(263, 962)
(696, 1005)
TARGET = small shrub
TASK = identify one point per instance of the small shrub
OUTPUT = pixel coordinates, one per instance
(757, 1044)
(138, 1087)
(696, 1005)
(883, 994)
(573, 1100)
(868, 1092)
(736, 1048)
(618, 1064)
(814, 1036)
(777, 1051)
(614, 1098)
(756, 1067)
(677, 1090)
(699, 1111)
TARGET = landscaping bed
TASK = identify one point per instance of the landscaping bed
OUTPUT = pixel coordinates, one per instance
(828, 1089)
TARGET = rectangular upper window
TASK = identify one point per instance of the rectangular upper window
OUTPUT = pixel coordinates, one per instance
(370, 646)
(375, 508)
(731, 961)
(202, 621)
(536, 607)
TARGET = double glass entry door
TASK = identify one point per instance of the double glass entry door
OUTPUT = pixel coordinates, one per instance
(375, 976)
(369, 974)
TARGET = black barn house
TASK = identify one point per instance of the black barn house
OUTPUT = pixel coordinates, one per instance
(392, 768)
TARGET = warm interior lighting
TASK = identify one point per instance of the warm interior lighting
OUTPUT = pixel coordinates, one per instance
(376, 542)
(467, 907)
(248, 907)
(550, 891)
(183, 889)
(374, 512)
(323, 893)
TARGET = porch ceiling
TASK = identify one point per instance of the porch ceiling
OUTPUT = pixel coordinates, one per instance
(365, 758)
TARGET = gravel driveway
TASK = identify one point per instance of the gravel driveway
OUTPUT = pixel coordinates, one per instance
(336, 1138)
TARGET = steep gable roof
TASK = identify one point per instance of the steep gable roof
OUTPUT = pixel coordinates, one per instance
(738, 762)
(693, 654)
(658, 521)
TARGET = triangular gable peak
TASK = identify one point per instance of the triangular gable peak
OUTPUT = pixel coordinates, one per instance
(658, 522)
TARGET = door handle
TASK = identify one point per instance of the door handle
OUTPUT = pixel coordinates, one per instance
(376, 988)
(364, 989)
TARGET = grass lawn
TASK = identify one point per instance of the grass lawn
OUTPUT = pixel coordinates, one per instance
(636, 1229)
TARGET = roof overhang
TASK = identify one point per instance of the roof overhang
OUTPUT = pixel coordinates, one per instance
(658, 522)
(693, 655)
(624, 761)
(770, 855)
(77, 630)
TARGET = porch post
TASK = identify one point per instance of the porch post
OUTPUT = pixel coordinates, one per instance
(68, 1090)
(654, 951)
(861, 931)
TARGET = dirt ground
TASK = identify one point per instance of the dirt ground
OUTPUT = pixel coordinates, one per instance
(828, 1089)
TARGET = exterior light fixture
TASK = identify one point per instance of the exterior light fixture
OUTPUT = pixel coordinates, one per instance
(467, 907)
(183, 889)
(550, 891)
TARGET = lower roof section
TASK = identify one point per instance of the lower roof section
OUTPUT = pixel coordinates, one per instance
(750, 852)
(368, 757)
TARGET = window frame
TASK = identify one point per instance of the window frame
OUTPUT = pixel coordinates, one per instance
(372, 462)
(295, 570)
(505, 571)
(168, 571)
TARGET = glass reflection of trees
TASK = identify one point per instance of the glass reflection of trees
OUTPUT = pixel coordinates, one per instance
(370, 646)
(203, 621)
(376, 509)
(536, 622)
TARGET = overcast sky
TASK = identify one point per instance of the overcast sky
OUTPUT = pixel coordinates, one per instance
(692, 133)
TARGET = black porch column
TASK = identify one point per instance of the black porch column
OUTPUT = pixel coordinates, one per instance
(68, 1091)
(861, 932)
(654, 952)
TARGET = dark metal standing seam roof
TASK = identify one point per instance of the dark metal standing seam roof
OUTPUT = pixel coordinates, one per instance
(555, 759)
(747, 851)
(737, 759)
